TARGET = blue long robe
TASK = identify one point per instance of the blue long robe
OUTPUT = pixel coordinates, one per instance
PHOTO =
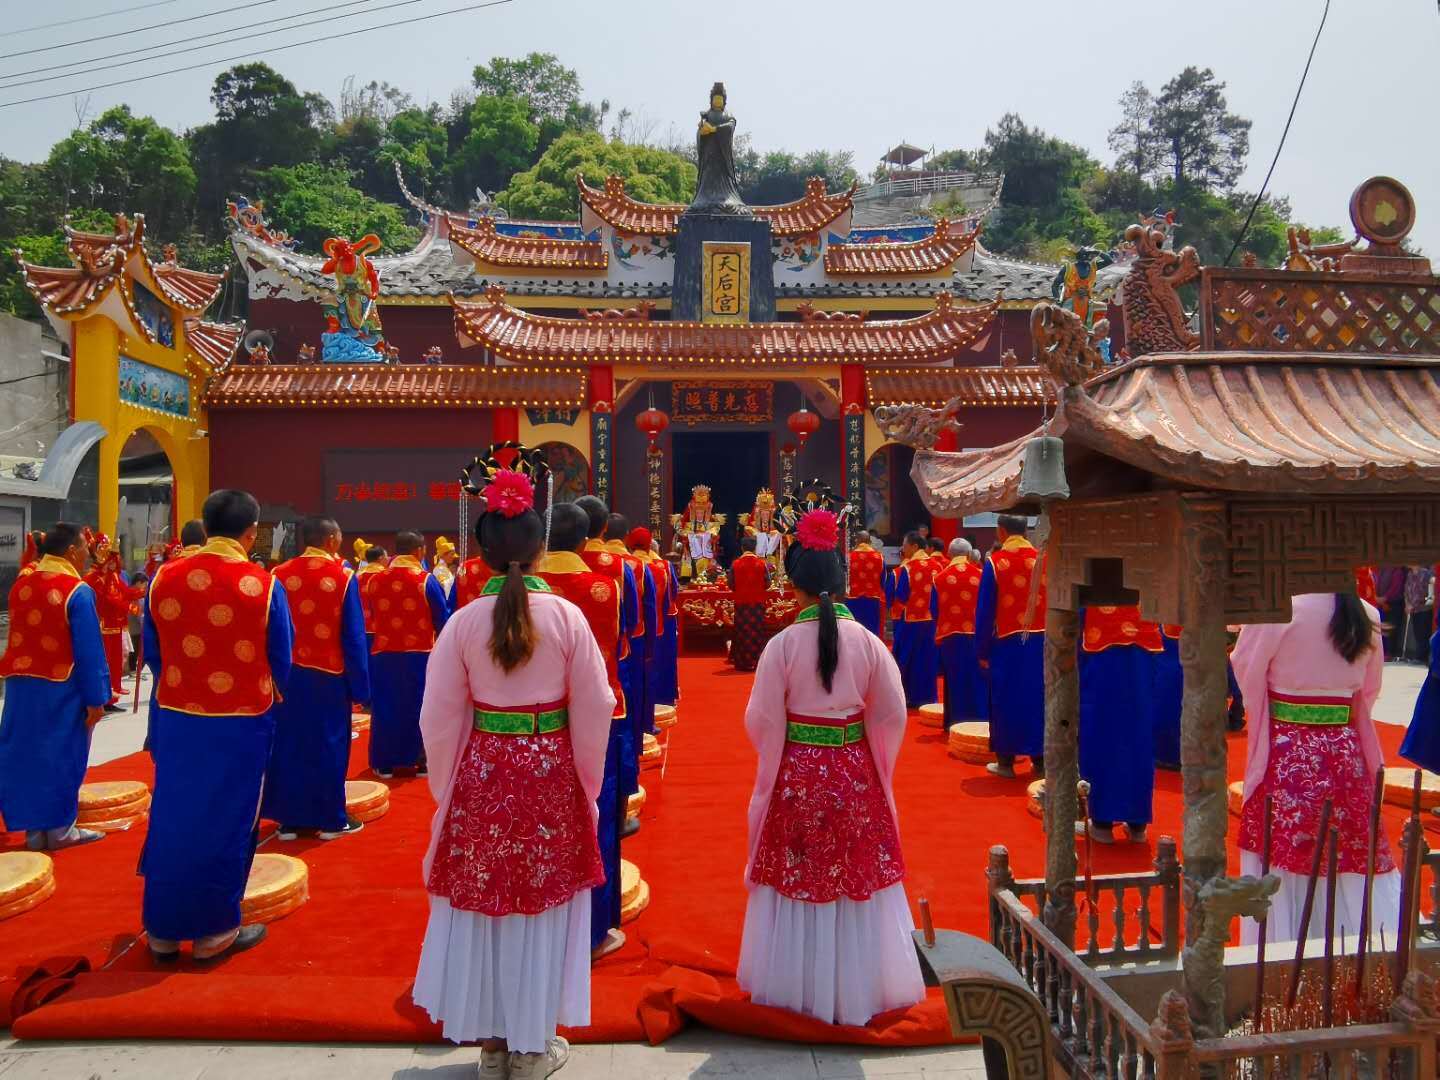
(667, 648)
(967, 695)
(209, 771)
(915, 650)
(866, 610)
(1117, 732)
(632, 682)
(305, 781)
(1016, 675)
(44, 742)
(610, 804)
(1422, 741)
(1168, 698)
(653, 629)
(397, 686)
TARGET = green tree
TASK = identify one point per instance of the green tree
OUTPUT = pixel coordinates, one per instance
(550, 90)
(547, 190)
(415, 140)
(313, 202)
(501, 142)
(780, 176)
(1203, 143)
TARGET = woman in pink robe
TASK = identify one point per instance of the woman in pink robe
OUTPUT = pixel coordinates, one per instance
(1309, 687)
(516, 718)
(827, 925)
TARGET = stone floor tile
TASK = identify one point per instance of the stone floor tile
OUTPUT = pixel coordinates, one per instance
(113, 1061)
(304, 1061)
(857, 1062)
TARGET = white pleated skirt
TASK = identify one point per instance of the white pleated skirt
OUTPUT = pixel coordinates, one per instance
(512, 977)
(841, 962)
(1288, 905)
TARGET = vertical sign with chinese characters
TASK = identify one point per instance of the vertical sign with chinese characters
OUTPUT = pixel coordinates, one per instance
(855, 467)
(725, 282)
(655, 476)
(787, 472)
(600, 451)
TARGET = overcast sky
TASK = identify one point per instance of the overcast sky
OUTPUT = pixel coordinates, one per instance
(838, 74)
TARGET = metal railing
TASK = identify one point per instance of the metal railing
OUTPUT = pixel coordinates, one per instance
(924, 184)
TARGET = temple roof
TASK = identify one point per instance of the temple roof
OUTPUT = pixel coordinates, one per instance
(519, 336)
(934, 386)
(933, 254)
(1305, 423)
(101, 254)
(808, 214)
(493, 248)
(332, 386)
(215, 343)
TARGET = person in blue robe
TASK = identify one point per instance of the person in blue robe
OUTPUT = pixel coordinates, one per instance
(1117, 738)
(45, 727)
(209, 771)
(305, 782)
(1422, 740)
(667, 646)
(915, 650)
(397, 681)
(1014, 666)
(1169, 695)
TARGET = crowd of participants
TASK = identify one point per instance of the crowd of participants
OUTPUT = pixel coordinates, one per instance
(520, 684)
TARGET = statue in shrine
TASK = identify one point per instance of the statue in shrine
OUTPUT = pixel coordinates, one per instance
(699, 524)
(764, 522)
(1075, 283)
(352, 324)
(716, 189)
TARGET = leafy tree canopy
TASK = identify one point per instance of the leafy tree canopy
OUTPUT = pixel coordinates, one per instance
(314, 202)
(547, 190)
(779, 176)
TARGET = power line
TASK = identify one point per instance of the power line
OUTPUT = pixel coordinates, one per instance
(137, 30)
(183, 41)
(1275, 160)
(255, 52)
(92, 18)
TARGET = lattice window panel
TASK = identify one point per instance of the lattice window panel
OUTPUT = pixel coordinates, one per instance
(1283, 311)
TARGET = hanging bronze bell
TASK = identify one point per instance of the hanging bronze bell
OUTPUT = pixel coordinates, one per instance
(1042, 474)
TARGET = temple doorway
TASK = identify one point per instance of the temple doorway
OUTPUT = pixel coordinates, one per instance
(736, 464)
(147, 497)
(892, 505)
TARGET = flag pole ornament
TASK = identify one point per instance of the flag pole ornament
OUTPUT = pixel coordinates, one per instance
(818, 530)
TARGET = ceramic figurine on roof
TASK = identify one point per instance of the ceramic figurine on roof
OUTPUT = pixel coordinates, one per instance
(251, 218)
(1155, 320)
(352, 325)
(716, 190)
(1075, 283)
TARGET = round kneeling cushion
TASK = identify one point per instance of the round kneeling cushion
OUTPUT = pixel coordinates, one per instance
(932, 715)
(27, 879)
(634, 891)
(278, 885)
(1400, 787)
(636, 803)
(366, 800)
(970, 742)
(665, 716)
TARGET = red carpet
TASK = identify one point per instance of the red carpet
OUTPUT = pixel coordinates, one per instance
(340, 968)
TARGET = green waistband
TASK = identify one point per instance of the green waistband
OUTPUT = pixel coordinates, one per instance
(824, 734)
(533, 584)
(521, 723)
(1292, 712)
(811, 613)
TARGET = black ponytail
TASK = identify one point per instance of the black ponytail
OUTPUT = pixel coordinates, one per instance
(820, 573)
(829, 641)
(510, 546)
(1351, 630)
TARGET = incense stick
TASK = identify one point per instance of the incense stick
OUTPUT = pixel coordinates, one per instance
(1308, 909)
(1363, 945)
(1264, 919)
(1332, 871)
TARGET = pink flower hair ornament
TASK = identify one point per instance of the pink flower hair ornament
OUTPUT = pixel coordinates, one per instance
(818, 530)
(509, 494)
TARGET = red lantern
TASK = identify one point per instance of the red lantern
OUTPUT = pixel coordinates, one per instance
(652, 422)
(803, 423)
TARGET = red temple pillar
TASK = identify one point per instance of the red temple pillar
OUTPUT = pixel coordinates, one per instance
(602, 420)
(946, 528)
(505, 425)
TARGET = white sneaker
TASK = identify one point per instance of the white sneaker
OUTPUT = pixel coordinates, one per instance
(539, 1066)
(494, 1065)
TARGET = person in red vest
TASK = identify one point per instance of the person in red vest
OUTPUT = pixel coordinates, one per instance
(113, 599)
(56, 687)
(1010, 646)
(375, 560)
(749, 581)
(915, 649)
(1120, 654)
(305, 784)
(867, 589)
(597, 595)
(468, 582)
(410, 610)
(957, 590)
(217, 641)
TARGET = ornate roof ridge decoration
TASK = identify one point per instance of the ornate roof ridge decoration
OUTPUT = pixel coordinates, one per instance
(489, 246)
(521, 337)
(435, 386)
(641, 312)
(974, 386)
(418, 203)
(933, 254)
(248, 217)
(808, 214)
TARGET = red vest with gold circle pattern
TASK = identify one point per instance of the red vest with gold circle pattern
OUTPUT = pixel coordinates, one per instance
(470, 579)
(598, 598)
(212, 616)
(866, 566)
(1106, 626)
(365, 577)
(315, 588)
(40, 644)
(402, 611)
(922, 576)
(957, 588)
(1013, 569)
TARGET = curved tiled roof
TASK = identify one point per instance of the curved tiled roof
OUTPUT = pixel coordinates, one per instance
(214, 343)
(66, 290)
(808, 214)
(190, 290)
(934, 386)
(493, 248)
(519, 336)
(333, 386)
(933, 254)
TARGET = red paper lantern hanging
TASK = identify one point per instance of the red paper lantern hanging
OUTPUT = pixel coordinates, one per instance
(652, 422)
(803, 423)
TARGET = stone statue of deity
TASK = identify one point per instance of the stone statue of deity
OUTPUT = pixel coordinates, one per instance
(764, 521)
(1075, 283)
(352, 324)
(716, 190)
(698, 525)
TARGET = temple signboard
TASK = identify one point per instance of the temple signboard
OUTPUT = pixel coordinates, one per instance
(722, 403)
(725, 285)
